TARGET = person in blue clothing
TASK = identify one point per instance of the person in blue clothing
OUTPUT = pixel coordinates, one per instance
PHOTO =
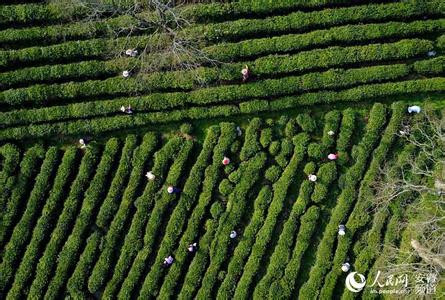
(168, 261)
(192, 247)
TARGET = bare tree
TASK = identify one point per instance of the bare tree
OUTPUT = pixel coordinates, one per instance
(164, 44)
(420, 175)
(169, 47)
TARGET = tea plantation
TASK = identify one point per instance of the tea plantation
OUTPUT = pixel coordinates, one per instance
(85, 221)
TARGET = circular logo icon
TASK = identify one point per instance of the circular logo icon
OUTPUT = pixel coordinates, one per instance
(352, 284)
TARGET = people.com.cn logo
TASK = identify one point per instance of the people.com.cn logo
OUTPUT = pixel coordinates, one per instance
(352, 284)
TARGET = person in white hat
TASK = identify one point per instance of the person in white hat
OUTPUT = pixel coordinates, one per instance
(342, 230)
(405, 131)
(414, 109)
(126, 74)
(82, 143)
(192, 247)
(345, 267)
(331, 132)
(171, 189)
(238, 129)
(312, 177)
(233, 234)
(123, 108)
(246, 73)
(131, 52)
(150, 175)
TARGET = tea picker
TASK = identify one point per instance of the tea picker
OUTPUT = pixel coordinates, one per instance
(226, 161)
(82, 144)
(150, 175)
(333, 156)
(168, 261)
(431, 53)
(341, 229)
(345, 267)
(414, 109)
(312, 177)
(131, 52)
(246, 73)
(405, 131)
(192, 247)
(238, 129)
(172, 190)
(127, 110)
